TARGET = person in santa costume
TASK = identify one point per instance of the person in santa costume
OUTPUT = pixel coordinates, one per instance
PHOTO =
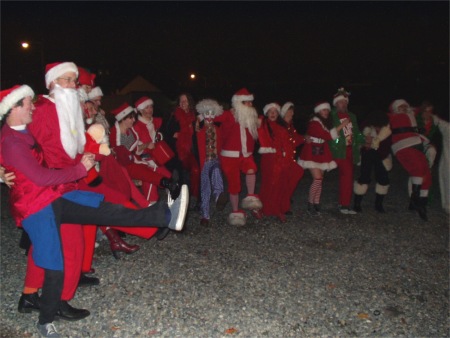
(295, 171)
(209, 147)
(408, 148)
(345, 148)
(274, 142)
(376, 156)
(85, 83)
(95, 95)
(316, 155)
(128, 148)
(180, 135)
(40, 204)
(239, 130)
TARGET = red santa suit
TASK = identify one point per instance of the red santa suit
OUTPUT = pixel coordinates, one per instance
(405, 140)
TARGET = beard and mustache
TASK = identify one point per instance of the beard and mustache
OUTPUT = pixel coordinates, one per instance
(70, 117)
(247, 117)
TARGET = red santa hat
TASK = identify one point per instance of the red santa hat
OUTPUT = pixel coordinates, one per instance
(397, 103)
(285, 108)
(143, 102)
(95, 92)
(55, 70)
(341, 94)
(9, 97)
(269, 106)
(242, 95)
(122, 111)
(85, 77)
(321, 105)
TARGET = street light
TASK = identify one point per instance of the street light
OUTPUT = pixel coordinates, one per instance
(26, 45)
(192, 76)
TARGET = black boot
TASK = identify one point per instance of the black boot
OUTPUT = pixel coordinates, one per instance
(67, 312)
(88, 281)
(422, 209)
(173, 187)
(379, 203)
(357, 203)
(29, 302)
(419, 203)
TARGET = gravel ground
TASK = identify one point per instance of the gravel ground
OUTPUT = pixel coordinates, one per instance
(328, 276)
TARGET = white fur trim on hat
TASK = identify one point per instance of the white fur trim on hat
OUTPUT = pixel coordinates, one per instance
(319, 107)
(285, 108)
(396, 104)
(95, 92)
(148, 102)
(12, 98)
(269, 106)
(338, 98)
(59, 70)
(124, 113)
(242, 98)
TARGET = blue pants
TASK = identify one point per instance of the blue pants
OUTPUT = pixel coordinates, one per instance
(211, 183)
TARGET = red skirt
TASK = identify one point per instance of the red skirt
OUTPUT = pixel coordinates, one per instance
(317, 155)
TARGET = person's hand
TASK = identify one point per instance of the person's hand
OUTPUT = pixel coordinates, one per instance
(345, 122)
(175, 135)
(8, 178)
(307, 138)
(88, 161)
(151, 145)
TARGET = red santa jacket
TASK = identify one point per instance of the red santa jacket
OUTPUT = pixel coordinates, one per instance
(184, 139)
(45, 130)
(147, 131)
(125, 156)
(235, 142)
(404, 131)
(26, 196)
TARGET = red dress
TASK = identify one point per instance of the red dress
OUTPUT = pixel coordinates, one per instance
(317, 154)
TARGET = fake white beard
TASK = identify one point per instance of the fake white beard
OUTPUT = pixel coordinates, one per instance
(70, 119)
(247, 117)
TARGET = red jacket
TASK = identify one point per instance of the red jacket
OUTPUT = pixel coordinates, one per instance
(184, 139)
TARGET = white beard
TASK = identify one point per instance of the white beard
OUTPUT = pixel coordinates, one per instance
(70, 119)
(247, 117)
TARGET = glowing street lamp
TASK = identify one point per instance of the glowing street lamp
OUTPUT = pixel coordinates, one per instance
(192, 76)
(26, 45)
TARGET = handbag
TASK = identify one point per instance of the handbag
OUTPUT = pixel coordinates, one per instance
(162, 153)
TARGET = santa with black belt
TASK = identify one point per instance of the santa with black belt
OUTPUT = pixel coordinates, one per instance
(408, 148)
(239, 132)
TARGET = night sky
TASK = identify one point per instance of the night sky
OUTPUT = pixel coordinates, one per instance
(299, 51)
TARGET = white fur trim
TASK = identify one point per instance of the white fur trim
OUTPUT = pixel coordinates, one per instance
(397, 103)
(322, 166)
(416, 180)
(59, 70)
(321, 106)
(267, 150)
(360, 189)
(423, 193)
(144, 104)
(269, 106)
(12, 98)
(334, 133)
(236, 218)
(95, 92)
(381, 189)
(229, 153)
(338, 98)
(406, 143)
(251, 203)
(124, 113)
(242, 98)
(285, 108)
(117, 133)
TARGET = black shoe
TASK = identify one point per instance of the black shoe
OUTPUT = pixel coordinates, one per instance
(288, 213)
(162, 233)
(29, 302)
(88, 281)
(67, 312)
(172, 187)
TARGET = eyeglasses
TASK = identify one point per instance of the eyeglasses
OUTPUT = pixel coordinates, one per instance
(69, 79)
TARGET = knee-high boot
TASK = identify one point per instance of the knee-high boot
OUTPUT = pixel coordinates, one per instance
(419, 203)
(117, 244)
(357, 203)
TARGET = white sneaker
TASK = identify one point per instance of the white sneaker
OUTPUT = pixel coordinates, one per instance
(47, 330)
(178, 208)
(347, 211)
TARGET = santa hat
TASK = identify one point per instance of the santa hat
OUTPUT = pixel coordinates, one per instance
(341, 94)
(321, 105)
(122, 111)
(242, 95)
(269, 106)
(95, 92)
(55, 70)
(85, 77)
(143, 102)
(209, 107)
(397, 103)
(9, 97)
(285, 108)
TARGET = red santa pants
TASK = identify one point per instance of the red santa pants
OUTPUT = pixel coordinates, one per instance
(293, 173)
(232, 168)
(416, 164)
(73, 250)
(345, 167)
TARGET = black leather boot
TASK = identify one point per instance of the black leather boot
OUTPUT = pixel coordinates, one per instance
(379, 203)
(357, 203)
(29, 302)
(173, 187)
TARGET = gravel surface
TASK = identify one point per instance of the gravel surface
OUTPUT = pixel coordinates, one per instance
(332, 275)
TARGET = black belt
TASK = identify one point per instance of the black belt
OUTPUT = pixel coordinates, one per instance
(405, 130)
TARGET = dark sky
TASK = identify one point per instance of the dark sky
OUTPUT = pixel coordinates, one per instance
(275, 47)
